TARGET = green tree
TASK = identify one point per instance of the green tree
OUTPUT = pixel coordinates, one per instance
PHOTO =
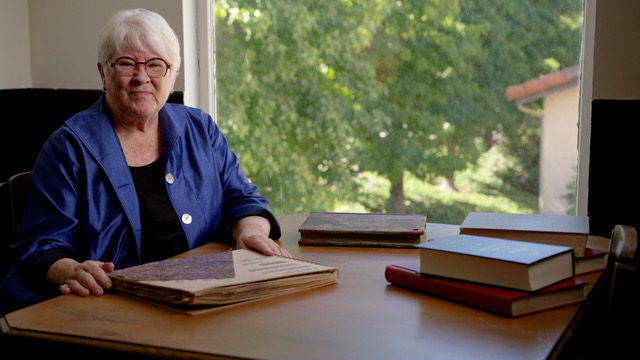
(289, 95)
(521, 40)
(423, 54)
(312, 93)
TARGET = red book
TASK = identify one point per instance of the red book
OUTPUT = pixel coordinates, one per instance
(507, 302)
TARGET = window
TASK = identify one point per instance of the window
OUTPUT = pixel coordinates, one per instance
(396, 106)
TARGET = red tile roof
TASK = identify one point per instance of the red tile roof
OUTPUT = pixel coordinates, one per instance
(534, 89)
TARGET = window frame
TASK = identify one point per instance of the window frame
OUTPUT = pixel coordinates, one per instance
(200, 78)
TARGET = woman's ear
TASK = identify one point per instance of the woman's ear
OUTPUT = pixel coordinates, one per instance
(102, 76)
(175, 76)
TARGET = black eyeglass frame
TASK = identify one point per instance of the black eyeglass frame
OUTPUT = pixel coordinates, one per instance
(113, 65)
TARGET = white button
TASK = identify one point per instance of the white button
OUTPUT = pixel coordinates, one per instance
(186, 218)
(169, 178)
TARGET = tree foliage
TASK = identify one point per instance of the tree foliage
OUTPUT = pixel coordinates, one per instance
(312, 93)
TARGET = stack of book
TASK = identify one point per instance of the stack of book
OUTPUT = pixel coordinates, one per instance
(593, 260)
(493, 271)
(564, 230)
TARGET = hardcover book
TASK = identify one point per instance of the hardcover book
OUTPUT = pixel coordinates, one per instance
(592, 260)
(562, 230)
(217, 279)
(507, 302)
(363, 229)
(511, 264)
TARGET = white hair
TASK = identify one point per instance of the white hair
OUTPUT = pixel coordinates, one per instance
(139, 29)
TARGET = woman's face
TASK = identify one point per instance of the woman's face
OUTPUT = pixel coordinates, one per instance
(137, 96)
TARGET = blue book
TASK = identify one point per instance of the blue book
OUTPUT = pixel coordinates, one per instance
(506, 263)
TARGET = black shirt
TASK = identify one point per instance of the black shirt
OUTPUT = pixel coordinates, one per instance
(162, 233)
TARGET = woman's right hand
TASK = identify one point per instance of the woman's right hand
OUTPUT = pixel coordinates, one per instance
(84, 279)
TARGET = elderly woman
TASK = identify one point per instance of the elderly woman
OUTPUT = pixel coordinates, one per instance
(132, 179)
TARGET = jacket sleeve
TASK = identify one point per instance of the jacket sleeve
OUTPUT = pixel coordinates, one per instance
(48, 230)
(241, 197)
(49, 220)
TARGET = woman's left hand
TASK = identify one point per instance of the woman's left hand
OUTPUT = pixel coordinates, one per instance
(252, 232)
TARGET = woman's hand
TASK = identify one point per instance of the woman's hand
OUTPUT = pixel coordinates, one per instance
(253, 232)
(84, 279)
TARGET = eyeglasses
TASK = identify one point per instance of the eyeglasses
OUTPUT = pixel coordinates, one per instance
(126, 66)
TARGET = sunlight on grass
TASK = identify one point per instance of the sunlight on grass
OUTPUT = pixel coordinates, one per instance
(478, 189)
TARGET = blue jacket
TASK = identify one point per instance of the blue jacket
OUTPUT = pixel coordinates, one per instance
(82, 198)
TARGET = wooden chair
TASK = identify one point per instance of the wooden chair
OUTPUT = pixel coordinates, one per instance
(621, 276)
(6, 227)
(12, 201)
(609, 325)
(19, 184)
(606, 326)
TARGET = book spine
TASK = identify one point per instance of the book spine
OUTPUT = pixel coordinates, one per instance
(454, 291)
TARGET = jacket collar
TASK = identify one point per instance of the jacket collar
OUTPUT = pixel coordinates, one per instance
(94, 128)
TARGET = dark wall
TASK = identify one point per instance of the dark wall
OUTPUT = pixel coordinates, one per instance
(614, 190)
(29, 116)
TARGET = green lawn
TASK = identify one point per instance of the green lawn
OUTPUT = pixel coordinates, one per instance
(478, 189)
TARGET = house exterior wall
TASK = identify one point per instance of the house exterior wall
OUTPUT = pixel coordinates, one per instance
(558, 150)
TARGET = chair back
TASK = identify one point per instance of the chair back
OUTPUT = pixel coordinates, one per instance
(621, 275)
(12, 202)
(19, 184)
(6, 227)
(606, 326)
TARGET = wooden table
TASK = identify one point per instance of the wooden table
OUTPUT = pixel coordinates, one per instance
(361, 317)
